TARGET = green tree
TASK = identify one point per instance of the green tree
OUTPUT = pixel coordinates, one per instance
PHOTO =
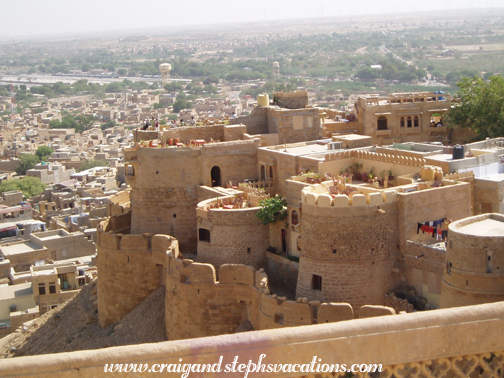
(272, 209)
(107, 125)
(481, 106)
(30, 186)
(28, 161)
(88, 164)
(181, 103)
(43, 151)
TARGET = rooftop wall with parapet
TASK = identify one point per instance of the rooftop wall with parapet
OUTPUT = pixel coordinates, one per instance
(457, 341)
(198, 305)
(130, 268)
(187, 133)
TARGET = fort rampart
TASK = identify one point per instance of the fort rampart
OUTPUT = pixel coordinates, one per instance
(130, 266)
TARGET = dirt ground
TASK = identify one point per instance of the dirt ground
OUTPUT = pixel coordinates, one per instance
(74, 326)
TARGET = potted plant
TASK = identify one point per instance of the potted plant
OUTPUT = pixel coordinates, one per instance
(365, 177)
(390, 174)
(383, 174)
(356, 168)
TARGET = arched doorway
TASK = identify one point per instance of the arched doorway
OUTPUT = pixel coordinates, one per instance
(215, 174)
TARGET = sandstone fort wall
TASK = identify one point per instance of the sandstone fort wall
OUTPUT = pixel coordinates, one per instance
(131, 267)
(236, 236)
(473, 265)
(349, 245)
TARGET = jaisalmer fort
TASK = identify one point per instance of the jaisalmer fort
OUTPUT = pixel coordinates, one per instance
(295, 241)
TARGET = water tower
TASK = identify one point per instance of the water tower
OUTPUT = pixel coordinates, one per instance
(276, 69)
(165, 69)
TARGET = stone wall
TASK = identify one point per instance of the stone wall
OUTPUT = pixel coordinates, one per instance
(130, 268)
(488, 196)
(119, 203)
(349, 248)
(474, 262)
(257, 122)
(423, 268)
(291, 100)
(282, 271)
(198, 305)
(452, 201)
(236, 236)
(294, 125)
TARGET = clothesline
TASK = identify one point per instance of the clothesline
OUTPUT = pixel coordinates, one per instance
(433, 228)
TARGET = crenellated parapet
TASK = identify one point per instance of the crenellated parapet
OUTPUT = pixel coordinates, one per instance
(200, 305)
(373, 156)
(319, 195)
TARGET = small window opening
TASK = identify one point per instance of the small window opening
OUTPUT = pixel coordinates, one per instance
(294, 218)
(248, 250)
(316, 283)
(334, 251)
(204, 235)
(174, 215)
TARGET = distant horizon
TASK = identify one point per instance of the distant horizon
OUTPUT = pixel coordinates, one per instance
(59, 21)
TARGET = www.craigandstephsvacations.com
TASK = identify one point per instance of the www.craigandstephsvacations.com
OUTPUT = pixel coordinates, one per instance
(249, 368)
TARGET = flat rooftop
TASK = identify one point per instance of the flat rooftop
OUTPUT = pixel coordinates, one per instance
(16, 249)
(15, 291)
(497, 178)
(309, 149)
(487, 227)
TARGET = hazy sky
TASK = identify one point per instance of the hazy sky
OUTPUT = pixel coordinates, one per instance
(48, 17)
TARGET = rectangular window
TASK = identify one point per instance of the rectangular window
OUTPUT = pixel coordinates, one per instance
(204, 235)
(41, 289)
(316, 283)
(52, 288)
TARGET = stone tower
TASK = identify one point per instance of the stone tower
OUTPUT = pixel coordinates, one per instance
(349, 248)
(474, 261)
